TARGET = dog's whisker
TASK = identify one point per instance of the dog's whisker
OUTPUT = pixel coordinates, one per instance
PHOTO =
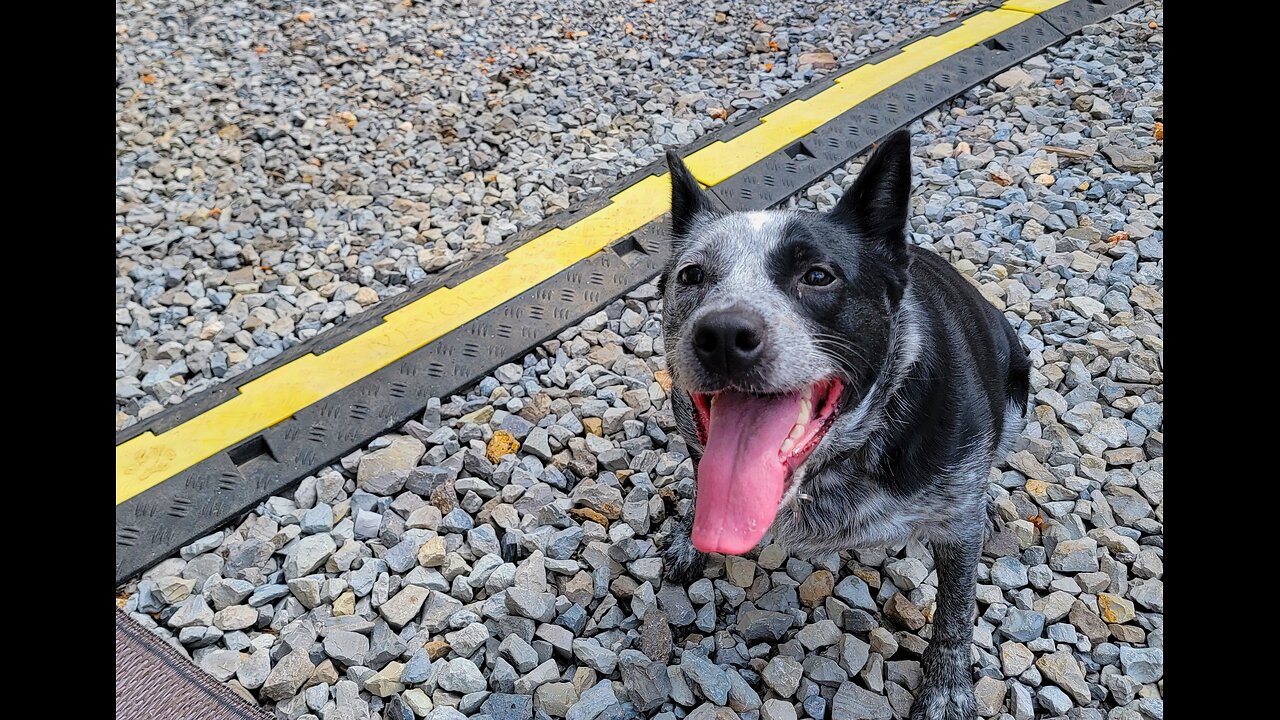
(840, 344)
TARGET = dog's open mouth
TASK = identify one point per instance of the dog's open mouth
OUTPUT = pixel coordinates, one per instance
(753, 444)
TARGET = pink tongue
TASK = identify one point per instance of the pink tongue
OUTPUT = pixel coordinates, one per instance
(741, 477)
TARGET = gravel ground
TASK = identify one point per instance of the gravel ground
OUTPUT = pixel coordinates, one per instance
(279, 170)
(499, 557)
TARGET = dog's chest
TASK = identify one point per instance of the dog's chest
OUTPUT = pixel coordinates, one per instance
(839, 514)
(838, 520)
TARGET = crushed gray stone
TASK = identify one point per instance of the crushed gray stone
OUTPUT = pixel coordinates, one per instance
(420, 577)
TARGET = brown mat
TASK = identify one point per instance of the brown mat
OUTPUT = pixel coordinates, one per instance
(154, 682)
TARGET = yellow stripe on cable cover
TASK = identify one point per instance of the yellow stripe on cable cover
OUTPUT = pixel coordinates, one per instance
(148, 459)
(1031, 6)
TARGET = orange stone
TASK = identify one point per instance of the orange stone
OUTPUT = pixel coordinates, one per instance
(502, 443)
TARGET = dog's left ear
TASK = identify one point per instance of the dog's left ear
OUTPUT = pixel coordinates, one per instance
(687, 199)
(876, 206)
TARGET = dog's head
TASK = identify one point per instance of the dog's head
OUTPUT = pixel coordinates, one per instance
(776, 322)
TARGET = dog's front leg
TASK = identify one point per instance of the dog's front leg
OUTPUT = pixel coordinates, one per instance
(684, 562)
(947, 690)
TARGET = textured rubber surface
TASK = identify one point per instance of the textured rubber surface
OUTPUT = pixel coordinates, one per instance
(1071, 16)
(782, 150)
(154, 682)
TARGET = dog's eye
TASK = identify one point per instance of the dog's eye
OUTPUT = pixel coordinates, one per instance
(690, 275)
(818, 276)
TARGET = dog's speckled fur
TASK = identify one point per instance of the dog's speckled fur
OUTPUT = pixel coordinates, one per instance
(937, 384)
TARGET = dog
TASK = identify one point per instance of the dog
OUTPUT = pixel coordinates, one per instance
(839, 387)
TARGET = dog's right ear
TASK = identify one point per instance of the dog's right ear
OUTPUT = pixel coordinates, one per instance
(687, 199)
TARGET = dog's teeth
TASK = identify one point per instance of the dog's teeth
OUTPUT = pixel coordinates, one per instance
(806, 409)
(797, 432)
(787, 446)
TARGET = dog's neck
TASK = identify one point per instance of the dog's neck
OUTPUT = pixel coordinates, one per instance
(906, 342)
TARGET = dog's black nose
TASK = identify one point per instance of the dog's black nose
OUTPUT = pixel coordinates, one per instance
(729, 343)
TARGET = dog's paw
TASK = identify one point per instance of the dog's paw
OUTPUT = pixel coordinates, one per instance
(951, 701)
(684, 563)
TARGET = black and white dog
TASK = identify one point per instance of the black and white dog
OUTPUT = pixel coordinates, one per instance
(841, 387)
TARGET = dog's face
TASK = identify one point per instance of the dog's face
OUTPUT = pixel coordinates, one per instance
(776, 323)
